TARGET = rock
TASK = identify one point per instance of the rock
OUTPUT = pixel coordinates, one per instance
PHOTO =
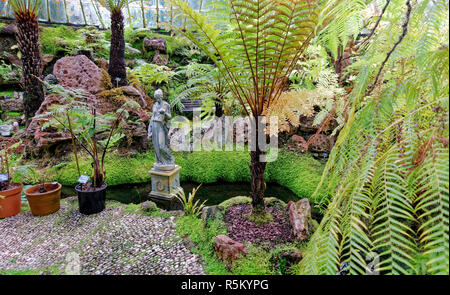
(15, 126)
(132, 51)
(78, 72)
(47, 59)
(51, 79)
(14, 59)
(210, 213)
(102, 63)
(300, 218)
(297, 143)
(159, 46)
(87, 53)
(290, 257)
(148, 206)
(228, 250)
(8, 31)
(12, 105)
(306, 124)
(5, 130)
(155, 44)
(160, 59)
(131, 91)
(321, 144)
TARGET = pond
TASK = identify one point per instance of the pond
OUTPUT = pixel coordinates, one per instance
(213, 193)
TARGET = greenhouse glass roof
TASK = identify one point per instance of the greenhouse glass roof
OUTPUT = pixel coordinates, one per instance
(140, 13)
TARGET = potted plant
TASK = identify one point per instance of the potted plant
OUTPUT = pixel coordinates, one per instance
(88, 129)
(10, 193)
(44, 198)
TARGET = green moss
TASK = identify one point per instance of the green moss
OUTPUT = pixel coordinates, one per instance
(256, 262)
(54, 270)
(115, 96)
(7, 92)
(59, 38)
(299, 173)
(13, 114)
(239, 200)
(204, 237)
(260, 217)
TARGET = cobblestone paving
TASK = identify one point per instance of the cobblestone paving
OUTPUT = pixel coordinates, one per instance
(112, 242)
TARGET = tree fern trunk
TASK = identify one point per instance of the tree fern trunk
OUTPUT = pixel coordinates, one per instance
(116, 68)
(28, 40)
(257, 170)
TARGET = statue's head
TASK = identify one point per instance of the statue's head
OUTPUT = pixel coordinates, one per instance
(159, 95)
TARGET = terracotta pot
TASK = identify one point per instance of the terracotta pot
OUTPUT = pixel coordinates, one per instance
(44, 203)
(10, 205)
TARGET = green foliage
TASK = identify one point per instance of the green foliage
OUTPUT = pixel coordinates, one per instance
(5, 70)
(152, 75)
(206, 83)
(299, 173)
(238, 200)
(189, 207)
(389, 170)
(68, 40)
(258, 260)
(84, 125)
(203, 237)
(58, 38)
(33, 6)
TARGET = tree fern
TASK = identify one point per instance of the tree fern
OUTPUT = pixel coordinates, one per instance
(389, 171)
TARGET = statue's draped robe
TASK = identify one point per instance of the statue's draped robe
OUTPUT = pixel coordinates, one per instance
(160, 130)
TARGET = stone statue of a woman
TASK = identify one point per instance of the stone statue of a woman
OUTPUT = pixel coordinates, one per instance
(159, 128)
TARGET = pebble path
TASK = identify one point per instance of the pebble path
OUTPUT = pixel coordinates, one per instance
(111, 242)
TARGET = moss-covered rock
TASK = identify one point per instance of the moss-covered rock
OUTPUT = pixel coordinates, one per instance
(238, 200)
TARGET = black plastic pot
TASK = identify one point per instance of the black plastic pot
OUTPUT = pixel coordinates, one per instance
(91, 202)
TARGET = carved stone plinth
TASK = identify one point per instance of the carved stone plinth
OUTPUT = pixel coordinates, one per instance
(165, 184)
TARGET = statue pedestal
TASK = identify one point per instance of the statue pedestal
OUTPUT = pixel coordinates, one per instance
(165, 184)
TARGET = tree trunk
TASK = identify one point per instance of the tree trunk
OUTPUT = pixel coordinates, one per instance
(116, 68)
(257, 169)
(219, 109)
(28, 40)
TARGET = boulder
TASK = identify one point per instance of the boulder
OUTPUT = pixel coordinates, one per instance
(78, 72)
(131, 91)
(321, 144)
(8, 31)
(51, 79)
(12, 105)
(159, 46)
(210, 213)
(160, 59)
(297, 143)
(155, 44)
(306, 125)
(300, 218)
(148, 206)
(290, 257)
(228, 250)
(7, 38)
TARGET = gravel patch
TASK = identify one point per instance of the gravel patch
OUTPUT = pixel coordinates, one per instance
(111, 242)
(278, 231)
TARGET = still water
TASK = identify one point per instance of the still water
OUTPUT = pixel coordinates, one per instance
(213, 193)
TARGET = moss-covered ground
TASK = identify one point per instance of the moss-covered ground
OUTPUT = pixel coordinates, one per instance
(299, 173)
